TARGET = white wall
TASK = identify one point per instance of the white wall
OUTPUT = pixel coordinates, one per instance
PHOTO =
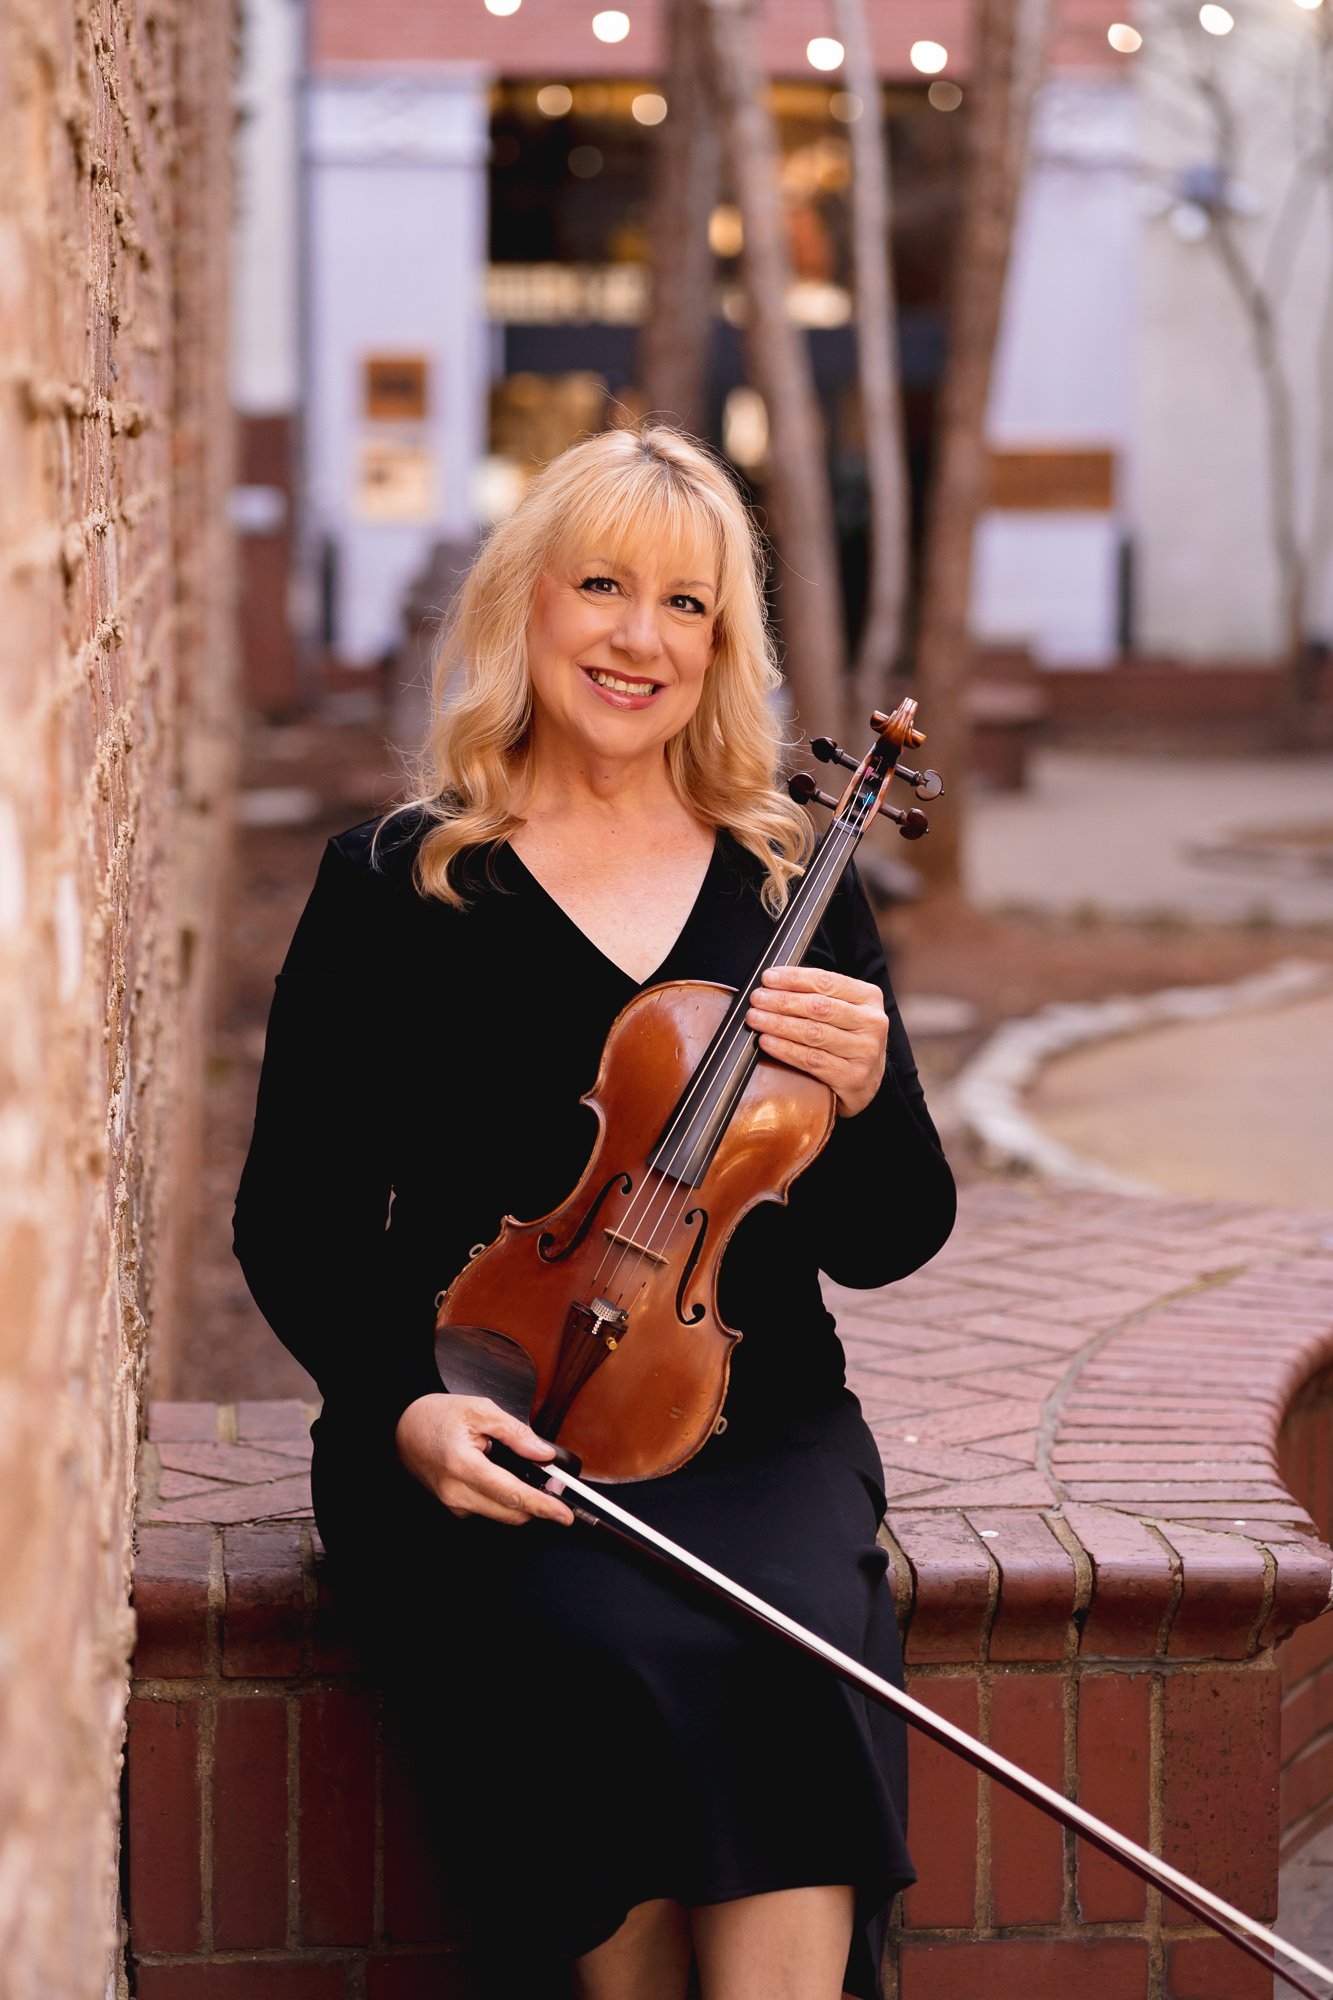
(1208, 584)
(396, 264)
(265, 332)
(1063, 374)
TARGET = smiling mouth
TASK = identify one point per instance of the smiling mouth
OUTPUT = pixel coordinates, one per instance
(617, 684)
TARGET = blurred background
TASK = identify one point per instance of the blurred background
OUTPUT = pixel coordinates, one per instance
(1014, 318)
(1015, 323)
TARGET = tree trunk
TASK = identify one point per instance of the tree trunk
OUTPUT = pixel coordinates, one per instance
(877, 365)
(676, 336)
(809, 595)
(1010, 36)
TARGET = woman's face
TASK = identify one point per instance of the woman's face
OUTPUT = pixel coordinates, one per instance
(617, 652)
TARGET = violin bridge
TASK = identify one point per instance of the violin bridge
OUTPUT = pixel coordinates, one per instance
(639, 1249)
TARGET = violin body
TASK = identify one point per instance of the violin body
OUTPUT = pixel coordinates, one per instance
(598, 1323)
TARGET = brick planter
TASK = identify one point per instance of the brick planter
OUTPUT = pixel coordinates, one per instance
(1083, 1406)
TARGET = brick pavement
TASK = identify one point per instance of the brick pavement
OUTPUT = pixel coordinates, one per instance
(1065, 1350)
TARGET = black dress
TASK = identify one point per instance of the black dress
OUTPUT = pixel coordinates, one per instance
(600, 1734)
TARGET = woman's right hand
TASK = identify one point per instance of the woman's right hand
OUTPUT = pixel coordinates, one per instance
(442, 1440)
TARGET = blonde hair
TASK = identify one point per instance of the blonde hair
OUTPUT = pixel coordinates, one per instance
(615, 493)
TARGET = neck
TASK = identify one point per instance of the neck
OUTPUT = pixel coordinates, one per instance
(569, 785)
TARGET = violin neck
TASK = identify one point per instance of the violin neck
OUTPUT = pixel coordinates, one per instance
(695, 1128)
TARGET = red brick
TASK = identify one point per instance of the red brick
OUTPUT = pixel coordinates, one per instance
(1223, 1582)
(163, 1833)
(182, 1422)
(242, 1463)
(953, 1585)
(1212, 1969)
(1114, 1758)
(1301, 1589)
(1027, 1845)
(250, 1822)
(1309, 1649)
(1132, 1583)
(439, 1977)
(257, 1979)
(1025, 1969)
(942, 1811)
(171, 1603)
(337, 1812)
(256, 1422)
(417, 1907)
(1220, 1785)
(264, 1621)
(1037, 1586)
(1307, 1782)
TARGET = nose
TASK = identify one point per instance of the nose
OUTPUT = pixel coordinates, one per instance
(637, 632)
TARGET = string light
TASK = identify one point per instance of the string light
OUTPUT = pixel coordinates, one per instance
(928, 57)
(648, 108)
(944, 96)
(1216, 20)
(503, 6)
(611, 26)
(555, 100)
(1124, 39)
(823, 52)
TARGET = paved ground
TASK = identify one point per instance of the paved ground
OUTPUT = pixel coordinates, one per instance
(1123, 835)
(1240, 1107)
(1305, 1903)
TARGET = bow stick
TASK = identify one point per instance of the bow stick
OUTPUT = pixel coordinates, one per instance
(597, 1511)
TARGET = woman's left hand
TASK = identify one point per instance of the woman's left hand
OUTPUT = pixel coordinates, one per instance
(828, 1024)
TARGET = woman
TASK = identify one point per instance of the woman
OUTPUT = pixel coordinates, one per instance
(631, 1780)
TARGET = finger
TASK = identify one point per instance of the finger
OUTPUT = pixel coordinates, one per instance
(511, 1496)
(848, 1014)
(511, 1430)
(843, 1044)
(819, 979)
(797, 1055)
(479, 1509)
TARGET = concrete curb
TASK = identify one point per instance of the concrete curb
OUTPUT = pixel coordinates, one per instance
(986, 1098)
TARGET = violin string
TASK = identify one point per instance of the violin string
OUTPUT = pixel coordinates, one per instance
(839, 843)
(830, 862)
(640, 1210)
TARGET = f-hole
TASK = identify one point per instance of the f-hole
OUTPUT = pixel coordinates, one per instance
(696, 1312)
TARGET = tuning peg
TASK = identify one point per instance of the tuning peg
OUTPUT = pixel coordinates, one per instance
(926, 784)
(829, 752)
(805, 790)
(911, 823)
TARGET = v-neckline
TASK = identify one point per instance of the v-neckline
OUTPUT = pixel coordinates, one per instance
(563, 914)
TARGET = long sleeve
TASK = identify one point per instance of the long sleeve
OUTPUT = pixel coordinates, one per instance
(310, 1224)
(879, 1201)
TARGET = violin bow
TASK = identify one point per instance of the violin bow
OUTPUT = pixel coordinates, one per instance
(594, 1509)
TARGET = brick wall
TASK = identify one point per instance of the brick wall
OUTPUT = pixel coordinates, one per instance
(1099, 1567)
(115, 733)
(1307, 1662)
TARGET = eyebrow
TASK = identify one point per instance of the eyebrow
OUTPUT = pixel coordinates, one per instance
(676, 583)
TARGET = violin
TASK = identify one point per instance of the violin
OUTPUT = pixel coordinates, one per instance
(598, 1323)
